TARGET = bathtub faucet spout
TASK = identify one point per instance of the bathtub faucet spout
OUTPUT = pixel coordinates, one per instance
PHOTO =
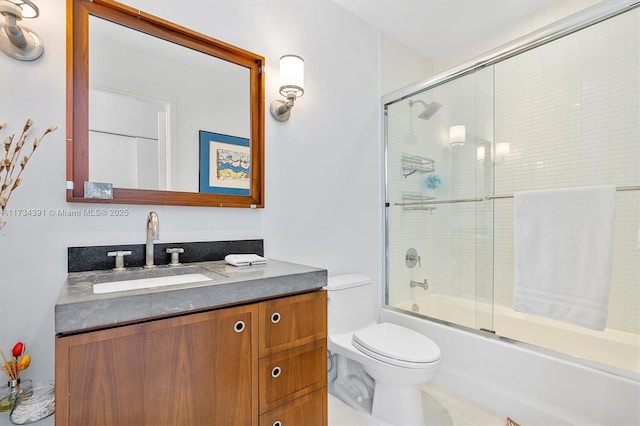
(424, 285)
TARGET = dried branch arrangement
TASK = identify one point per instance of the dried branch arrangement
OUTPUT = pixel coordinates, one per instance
(14, 161)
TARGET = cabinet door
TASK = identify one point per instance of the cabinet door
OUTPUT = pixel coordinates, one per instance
(292, 321)
(191, 370)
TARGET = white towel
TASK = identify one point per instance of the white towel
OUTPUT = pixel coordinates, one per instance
(563, 243)
(245, 259)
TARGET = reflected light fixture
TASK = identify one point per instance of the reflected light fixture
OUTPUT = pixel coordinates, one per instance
(17, 41)
(457, 135)
(503, 150)
(480, 152)
(291, 86)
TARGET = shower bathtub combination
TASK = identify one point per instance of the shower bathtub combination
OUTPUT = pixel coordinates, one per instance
(555, 110)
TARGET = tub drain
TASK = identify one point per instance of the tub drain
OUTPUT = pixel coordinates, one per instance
(415, 308)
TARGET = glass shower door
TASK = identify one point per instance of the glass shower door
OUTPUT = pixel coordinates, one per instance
(439, 224)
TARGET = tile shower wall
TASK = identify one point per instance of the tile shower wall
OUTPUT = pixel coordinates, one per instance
(575, 123)
(569, 112)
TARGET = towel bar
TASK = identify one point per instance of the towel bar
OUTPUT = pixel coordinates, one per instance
(493, 197)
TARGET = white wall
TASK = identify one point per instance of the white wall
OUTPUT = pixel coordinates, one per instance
(399, 65)
(322, 166)
(555, 11)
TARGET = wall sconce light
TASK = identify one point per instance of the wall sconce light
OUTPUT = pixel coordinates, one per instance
(291, 86)
(480, 152)
(457, 135)
(16, 41)
(502, 150)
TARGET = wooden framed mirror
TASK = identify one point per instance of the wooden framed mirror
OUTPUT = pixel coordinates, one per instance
(161, 113)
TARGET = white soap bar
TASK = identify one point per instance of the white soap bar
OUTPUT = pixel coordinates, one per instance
(245, 259)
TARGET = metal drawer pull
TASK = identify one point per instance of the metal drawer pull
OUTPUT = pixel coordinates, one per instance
(276, 372)
(277, 423)
(239, 326)
(275, 317)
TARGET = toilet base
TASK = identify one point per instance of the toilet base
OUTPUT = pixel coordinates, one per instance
(352, 384)
(397, 397)
(398, 405)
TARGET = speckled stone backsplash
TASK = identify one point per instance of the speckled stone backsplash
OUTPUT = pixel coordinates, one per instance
(80, 259)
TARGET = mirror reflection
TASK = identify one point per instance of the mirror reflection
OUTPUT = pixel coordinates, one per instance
(144, 132)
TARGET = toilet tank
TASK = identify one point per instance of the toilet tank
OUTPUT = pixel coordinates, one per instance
(350, 304)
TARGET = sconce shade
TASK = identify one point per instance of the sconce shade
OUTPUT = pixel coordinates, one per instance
(291, 75)
(291, 86)
(17, 41)
(29, 10)
(480, 152)
(457, 135)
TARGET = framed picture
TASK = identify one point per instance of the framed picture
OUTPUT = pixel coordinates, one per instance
(225, 164)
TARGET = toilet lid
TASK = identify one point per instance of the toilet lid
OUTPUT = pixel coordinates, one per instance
(396, 345)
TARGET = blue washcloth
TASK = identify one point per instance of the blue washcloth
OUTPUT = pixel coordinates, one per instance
(433, 181)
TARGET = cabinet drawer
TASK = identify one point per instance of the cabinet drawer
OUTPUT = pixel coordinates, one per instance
(288, 375)
(292, 321)
(308, 410)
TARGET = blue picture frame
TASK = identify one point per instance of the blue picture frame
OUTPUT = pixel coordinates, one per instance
(225, 164)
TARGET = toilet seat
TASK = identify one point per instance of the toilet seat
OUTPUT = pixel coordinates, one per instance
(396, 345)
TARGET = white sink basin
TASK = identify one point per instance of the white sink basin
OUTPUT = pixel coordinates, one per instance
(113, 286)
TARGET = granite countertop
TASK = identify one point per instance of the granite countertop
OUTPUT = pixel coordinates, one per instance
(79, 309)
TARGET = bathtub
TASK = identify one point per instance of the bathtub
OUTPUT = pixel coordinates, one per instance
(613, 348)
(534, 386)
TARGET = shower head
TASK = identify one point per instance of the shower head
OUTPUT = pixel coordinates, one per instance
(428, 112)
(429, 108)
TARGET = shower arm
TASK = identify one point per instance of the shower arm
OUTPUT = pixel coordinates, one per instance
(412, 102)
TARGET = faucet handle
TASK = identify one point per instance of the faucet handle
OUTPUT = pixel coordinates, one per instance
(119, 255)
(175, 253)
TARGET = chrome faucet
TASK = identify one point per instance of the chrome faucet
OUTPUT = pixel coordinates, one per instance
(153, 233)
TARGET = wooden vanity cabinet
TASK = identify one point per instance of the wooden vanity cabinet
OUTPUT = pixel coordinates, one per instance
(196, 369)
(240, 365)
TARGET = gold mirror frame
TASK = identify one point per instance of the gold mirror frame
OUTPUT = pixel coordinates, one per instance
(78, 12)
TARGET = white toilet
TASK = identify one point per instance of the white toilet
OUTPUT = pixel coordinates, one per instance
(380, 366)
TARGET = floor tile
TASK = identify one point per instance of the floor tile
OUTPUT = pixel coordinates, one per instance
(442, 408)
